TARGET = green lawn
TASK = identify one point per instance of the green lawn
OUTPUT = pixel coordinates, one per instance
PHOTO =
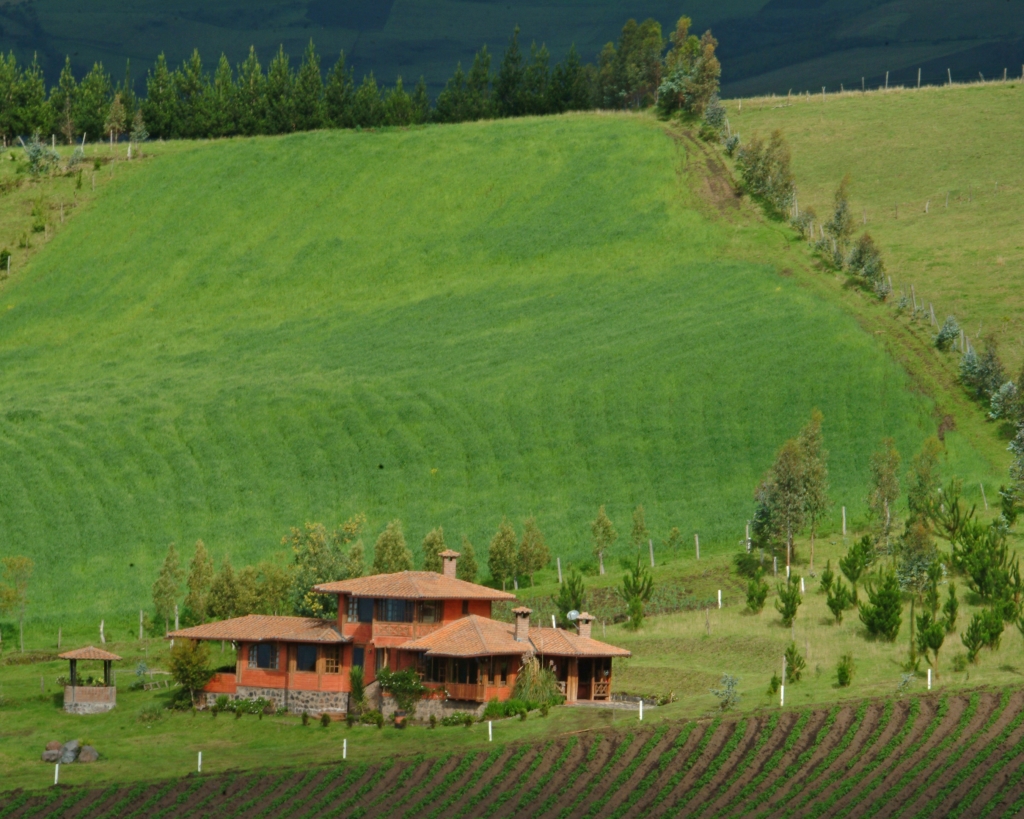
(908, 149)
(445, 325)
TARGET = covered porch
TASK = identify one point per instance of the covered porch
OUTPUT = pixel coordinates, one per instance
(581, 678)
(472, 679)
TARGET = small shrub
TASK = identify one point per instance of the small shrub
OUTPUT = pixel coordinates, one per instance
(544, 708)
(795, 664)
(522, 716)
(757, 593)
(458, 718)
(151, 713)
(433, 721)
(731, 144)
(839, 599)
(774, 683)
(372, 718)
(728, 696)
(827, 577)
(948, 334)
(789, 601)
(960, 662)
(97, 164)
(747, 564)
(238, 713)
(350, 720)
(5, 256)
(305, 717)
(844, 671)
(325, 720)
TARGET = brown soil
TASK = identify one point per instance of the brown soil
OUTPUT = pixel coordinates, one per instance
(219, 796)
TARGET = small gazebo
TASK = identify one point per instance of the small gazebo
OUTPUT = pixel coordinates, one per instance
(90, 699)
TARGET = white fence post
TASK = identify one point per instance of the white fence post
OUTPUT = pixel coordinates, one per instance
(344, 749)
(782, 687)
(490, 731)
(56, 773)
(719, 598)
(641, 710)
(200, 768)
(696, 543)
(929, 679)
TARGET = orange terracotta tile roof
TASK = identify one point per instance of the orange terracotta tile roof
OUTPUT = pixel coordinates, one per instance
(470, 636)
(88, 653)
(412, 586)
(557, 642)
(255, 628)
(475, 636)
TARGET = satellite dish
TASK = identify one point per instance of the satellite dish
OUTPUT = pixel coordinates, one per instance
(572, 615)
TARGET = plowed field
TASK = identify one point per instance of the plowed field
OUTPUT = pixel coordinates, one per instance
(948, 756)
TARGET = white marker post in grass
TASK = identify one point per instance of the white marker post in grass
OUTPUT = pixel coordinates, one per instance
(650, 543)
(344, 749)
(490, 731)
(782, 687)
(844, 521)
(553, 621)
(929, 679)
(983, 494)
(56, 773)
(200, 767)
(802, 589)
(696, 543)
(719, 598)
(641, 710)
(558, 562)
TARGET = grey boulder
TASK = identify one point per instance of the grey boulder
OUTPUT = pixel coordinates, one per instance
(51, 756)
(53, 745)
(69, 752)
(88, 754)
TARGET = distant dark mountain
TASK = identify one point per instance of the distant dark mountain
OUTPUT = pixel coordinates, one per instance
(769, 46)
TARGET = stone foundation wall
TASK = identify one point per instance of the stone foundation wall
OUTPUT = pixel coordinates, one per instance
(89, 699)
(314, 702)
(88, 707)
(435, 707)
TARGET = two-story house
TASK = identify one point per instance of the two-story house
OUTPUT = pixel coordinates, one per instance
(434, 623)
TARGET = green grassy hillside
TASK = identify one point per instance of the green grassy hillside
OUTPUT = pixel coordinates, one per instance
(907, 150)
(446, 325)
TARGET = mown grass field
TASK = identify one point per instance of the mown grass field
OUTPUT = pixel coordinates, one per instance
(445, 325)
(908, 149)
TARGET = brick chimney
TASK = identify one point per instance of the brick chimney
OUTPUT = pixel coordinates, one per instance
(522, 633)
(448, 558)
(583, 624)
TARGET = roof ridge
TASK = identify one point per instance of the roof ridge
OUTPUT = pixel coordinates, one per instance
(473, 620)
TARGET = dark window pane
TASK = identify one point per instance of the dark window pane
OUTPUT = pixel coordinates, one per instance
(305, 658)
(358, 656)
(365, 610)
(266, 655)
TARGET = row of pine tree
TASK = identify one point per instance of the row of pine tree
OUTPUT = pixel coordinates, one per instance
(187, 102)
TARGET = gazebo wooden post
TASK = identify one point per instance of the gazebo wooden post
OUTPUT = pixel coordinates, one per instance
(106, 672)
(74, 672)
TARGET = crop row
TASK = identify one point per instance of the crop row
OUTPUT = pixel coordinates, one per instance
(739, 730)
(645, 783)
(627, 772)
(934, 758)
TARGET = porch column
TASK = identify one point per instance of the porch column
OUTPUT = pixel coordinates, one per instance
(572, 680)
